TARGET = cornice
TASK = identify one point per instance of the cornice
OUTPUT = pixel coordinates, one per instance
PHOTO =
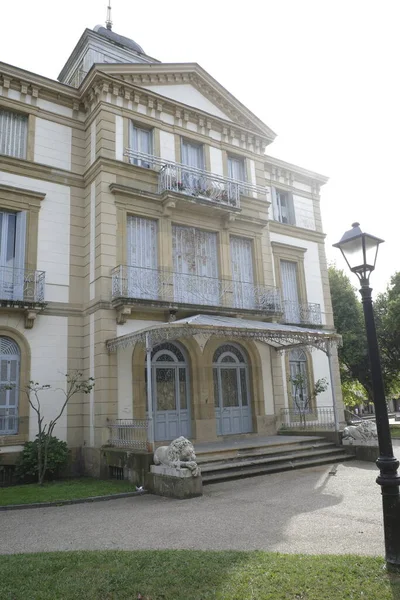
(296, 232)
(289, 170)
(19, 166)
(291, 247)
(9, 189)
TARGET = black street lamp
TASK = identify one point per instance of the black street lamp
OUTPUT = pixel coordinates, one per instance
(360, 251)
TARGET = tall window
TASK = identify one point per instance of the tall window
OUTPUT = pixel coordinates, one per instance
(242, 272)
(12, 255)
(192, 154)
(13, 133)
(141, 140)
(10, 358)
(299, 381)
(195, 266)
(290, 291)
(142, 274)
(236, 168)
(283, 206)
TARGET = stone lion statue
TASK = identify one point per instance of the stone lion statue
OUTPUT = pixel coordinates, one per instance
(179, 454)
(364, 432)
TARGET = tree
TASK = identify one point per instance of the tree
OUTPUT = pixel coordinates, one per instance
(302, 398)
(74, 385)
(353, 355)
(349, 323)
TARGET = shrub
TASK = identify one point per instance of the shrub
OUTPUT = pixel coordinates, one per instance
(27, 465)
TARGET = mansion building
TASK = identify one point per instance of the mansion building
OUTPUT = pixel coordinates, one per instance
(148, 240)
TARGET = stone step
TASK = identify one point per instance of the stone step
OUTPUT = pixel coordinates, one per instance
(278, 450)
(248, 462)
(276, 467)
(247, 448)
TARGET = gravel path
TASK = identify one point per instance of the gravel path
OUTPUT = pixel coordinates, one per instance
(310, 511)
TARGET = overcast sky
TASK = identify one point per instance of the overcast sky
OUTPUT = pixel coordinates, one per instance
(323, 74)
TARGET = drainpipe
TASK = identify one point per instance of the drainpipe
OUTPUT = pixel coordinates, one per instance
(329, 355)
(149, 394)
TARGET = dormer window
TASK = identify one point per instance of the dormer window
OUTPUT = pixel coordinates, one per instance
(283, 206)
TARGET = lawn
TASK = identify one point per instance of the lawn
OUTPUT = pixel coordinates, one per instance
(194, 575)
(395, 431)
(71, 489)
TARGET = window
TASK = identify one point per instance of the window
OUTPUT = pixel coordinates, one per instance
(141, 141)
(13, 134)
(290, 293)
(298, 372)
(9, 378)
(142, 275)
(236, 168)
(242, 272)
(283, 206)
(12, 255)
(192, 154)
(195, 266)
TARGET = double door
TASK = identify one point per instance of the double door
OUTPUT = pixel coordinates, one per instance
(12, 255)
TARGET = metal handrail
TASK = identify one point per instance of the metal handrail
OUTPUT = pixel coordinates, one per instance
(184, 288)
(22, 285)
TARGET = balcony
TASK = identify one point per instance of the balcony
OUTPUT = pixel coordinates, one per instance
(137, 285)
(297, 313)
(196, 183)
(21, 287)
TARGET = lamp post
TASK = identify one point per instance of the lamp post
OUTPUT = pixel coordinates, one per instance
(360, 251)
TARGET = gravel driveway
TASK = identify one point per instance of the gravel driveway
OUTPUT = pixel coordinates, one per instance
(310, 511)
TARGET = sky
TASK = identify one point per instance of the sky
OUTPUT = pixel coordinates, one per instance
(322, 74)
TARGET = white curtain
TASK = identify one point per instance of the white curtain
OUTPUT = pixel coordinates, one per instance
(13, 134)
(142, 258)
(290, 291)
(242, 272)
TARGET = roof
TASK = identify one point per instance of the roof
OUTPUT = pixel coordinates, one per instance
(118, 39)
(275, 334)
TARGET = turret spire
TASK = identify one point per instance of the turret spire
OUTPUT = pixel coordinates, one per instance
(108, 21)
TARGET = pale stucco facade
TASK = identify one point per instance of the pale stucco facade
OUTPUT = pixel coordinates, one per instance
(80, 193)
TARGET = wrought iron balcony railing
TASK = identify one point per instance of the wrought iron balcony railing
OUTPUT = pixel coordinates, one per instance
(301, 314)
(138, 283)
(21, 286)
(308, 419)
(129, 433)
(176, 177)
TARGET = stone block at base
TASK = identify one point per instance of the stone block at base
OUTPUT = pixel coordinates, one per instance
(173, 486)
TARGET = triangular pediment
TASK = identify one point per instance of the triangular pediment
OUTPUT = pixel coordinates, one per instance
(189, 85)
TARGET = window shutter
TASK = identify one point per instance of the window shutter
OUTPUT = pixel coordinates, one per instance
(20, 238)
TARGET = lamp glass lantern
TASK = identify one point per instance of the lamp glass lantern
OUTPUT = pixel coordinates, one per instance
(360, 251)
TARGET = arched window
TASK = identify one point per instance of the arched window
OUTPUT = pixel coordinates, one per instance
(10, 360)
(298, 373)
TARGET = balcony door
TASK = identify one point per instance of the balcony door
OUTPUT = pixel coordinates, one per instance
(242, 273)
(12, 255)
(142, 274)
(290, 291)
(196, 278)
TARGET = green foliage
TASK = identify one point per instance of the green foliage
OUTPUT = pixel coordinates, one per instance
(27, 468)
(353, 356)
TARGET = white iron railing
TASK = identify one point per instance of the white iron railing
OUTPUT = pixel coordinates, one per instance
(301, 313)
(198, 183)
(129, 433)
(20, 285)
(321, 418)
(182, 288)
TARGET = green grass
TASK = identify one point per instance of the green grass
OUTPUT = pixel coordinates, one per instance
(72, 489)
(193, 575)
(395, 431)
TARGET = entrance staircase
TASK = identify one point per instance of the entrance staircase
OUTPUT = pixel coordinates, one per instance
(248, 457)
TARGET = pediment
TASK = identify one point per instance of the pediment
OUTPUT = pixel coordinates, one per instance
(191, 86)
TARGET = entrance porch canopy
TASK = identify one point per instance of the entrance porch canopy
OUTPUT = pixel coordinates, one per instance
(277, 335)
